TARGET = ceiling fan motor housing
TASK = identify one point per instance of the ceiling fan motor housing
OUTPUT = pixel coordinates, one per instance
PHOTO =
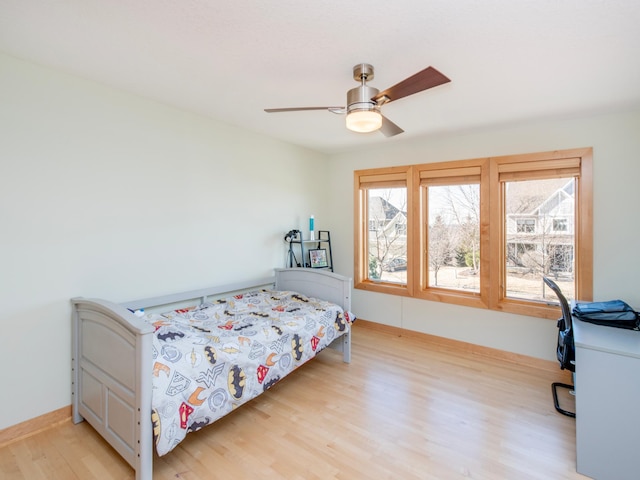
(359, 98)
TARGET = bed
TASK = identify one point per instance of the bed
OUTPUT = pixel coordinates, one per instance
(147, 372)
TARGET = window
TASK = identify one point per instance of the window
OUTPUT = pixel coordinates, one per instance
(525, 225)
(544, 250)
(382, 204)
(387, 208)
(478, 232)
(559, 224)
(452, 229)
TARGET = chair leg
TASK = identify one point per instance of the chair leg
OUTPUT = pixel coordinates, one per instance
(554, 387)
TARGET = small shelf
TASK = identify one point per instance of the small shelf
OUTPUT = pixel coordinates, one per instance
(305, 248)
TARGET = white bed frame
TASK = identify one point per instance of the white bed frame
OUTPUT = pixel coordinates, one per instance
(112, 357)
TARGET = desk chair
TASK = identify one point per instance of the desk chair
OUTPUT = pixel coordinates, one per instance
(565, 350)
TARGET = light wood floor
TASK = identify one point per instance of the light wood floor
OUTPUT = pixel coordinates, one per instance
(405, 408)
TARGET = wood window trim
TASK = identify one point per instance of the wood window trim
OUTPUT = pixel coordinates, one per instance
(544, 165)
(452, 173)
(379, 178)
(493, 172)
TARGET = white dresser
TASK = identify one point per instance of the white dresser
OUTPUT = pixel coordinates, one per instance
(607, 401)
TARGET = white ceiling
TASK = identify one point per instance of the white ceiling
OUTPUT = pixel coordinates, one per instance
(509, 60)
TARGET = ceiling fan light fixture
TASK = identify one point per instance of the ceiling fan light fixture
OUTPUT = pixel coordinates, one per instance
(364, 121)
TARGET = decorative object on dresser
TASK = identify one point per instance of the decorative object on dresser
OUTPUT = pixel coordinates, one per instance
(318, 258)
(305, 247)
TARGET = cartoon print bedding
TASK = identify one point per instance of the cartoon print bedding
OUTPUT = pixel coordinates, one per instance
(212, 358)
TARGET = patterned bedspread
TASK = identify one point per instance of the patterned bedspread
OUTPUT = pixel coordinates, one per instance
(210, 359)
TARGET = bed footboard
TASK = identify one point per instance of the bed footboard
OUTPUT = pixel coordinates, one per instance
(320, 284)
(316, 283)
(111, 384)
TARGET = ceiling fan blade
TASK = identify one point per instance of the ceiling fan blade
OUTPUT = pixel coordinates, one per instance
(298, 109)
(423, 80)
(388, 128)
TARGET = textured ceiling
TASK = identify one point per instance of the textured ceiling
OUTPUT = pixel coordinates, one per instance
(509, 60)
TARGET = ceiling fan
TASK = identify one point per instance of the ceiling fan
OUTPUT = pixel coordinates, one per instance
(364, 102)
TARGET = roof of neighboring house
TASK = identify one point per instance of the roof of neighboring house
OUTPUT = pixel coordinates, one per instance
(379, 208)
(528, 197)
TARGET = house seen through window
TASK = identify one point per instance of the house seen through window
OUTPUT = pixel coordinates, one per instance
(536, 246)
(387, 242)
(454, 236)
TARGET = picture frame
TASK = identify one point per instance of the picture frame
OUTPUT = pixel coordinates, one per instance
(318, 258)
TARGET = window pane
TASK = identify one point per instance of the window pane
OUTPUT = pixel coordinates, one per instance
(540, 220)
(387, 243)
(454, 237)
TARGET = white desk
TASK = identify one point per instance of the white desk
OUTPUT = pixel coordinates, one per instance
(607, 401)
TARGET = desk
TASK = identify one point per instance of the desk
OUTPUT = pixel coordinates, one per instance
(607, 385)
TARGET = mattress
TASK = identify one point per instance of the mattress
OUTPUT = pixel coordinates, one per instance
(212, 358)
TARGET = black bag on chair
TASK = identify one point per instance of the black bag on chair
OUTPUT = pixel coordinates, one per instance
(614, 313)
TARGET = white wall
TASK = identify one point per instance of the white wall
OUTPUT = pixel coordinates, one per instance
(110, 195)
(107, 194)
(615, 138)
